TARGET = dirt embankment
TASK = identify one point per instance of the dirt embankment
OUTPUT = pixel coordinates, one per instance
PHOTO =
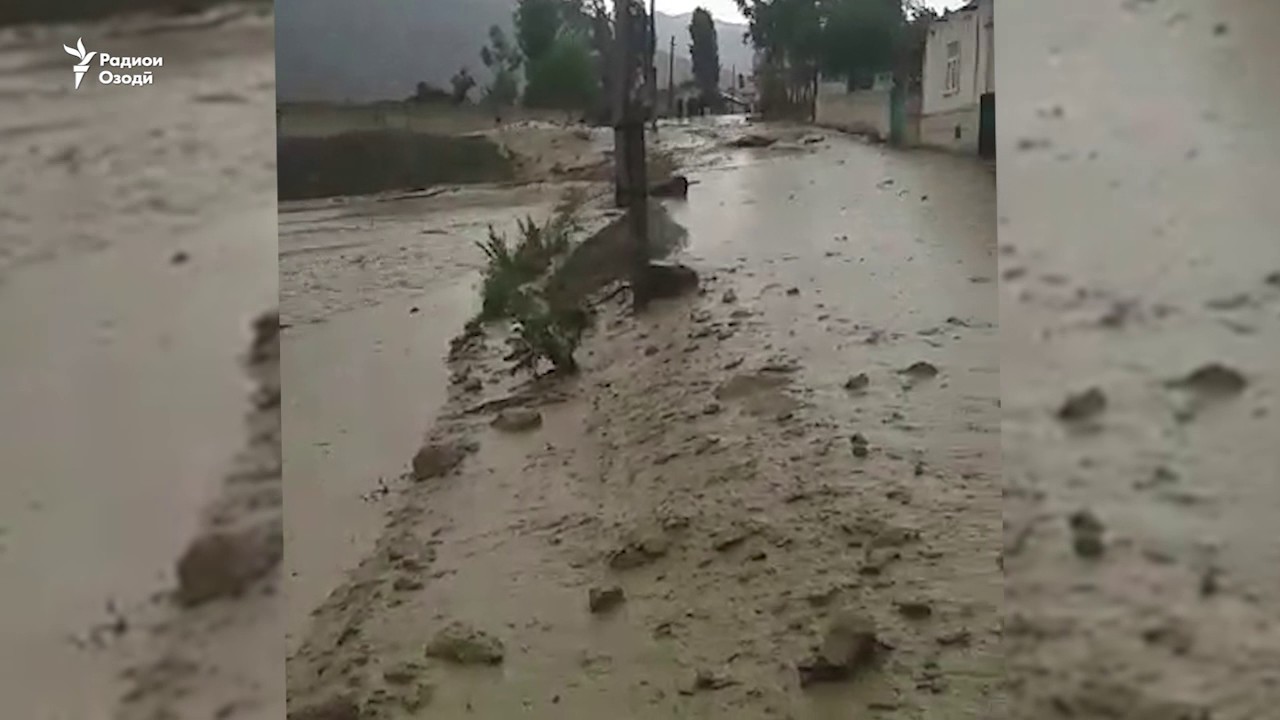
(214, 653)
(367, 162)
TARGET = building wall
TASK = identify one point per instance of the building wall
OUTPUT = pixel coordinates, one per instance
(946, 113)
(939, 129)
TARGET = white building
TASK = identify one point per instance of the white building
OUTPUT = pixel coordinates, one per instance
(958, 104)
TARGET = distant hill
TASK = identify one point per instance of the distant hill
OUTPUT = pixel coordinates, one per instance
(365, 50)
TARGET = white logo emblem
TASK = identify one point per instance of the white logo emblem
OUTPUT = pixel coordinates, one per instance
(78, 51)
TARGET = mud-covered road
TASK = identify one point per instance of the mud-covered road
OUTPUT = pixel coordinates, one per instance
(139, 246)
(747, 467)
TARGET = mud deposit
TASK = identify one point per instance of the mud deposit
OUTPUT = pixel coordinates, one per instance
(706, 522)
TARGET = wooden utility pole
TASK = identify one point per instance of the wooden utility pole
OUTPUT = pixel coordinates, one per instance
(651, 65)
(671, 76)
(632, 191)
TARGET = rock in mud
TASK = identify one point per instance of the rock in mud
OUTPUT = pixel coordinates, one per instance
(920, 370)
(849, 646)
(730, 297)
(436, 460)
(223, 563)
(861, 448)
(639, 552)
(706, 679)
(340, 707)
(1213, 379)
(1083, 406)
(604, 599)
(677, 187)
(670, 280)
(914, 609)
(460, 643)
(1087, 533)
(752, 140)
(857, 383)
(517, 420)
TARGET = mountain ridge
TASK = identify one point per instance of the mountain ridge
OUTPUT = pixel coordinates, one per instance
(368, 50)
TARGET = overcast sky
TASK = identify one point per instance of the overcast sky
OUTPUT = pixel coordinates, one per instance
(728, 10)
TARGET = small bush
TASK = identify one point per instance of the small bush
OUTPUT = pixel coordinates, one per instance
(545, 333)
(508, 270)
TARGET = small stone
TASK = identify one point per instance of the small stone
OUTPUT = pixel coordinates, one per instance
(914, 609)
(516, 420)
(460, 643)
(1087, 534)
(420, 698)
(402, 674)
(793, 291)
(857, 383)
(224, 564)
(472, 385)
(1213, 379)
(638, 553)
(601, 600)
(437, 460)
(849, 646)
(712, 408)
(729, 297)
(706, 679)
(920, 370)
(954, 638)
(179, 258)
(339, 707)
(651, 350)
(406, 584)
(1083, 406)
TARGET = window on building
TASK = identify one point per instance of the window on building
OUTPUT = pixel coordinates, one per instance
(953, 68)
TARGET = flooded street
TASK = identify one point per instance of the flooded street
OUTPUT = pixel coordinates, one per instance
(718, 461)
(127, 286)
(1139, 262)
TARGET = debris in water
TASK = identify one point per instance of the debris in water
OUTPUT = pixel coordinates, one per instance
(857, 383)
(459, 642)
(849, 646)
(438, 459)
(1213, 379)
(601, 600)
(516, 420)
(1086, 534)
(920, 370)
(1083, 406)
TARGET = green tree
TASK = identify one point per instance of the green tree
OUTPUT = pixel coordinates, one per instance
(462, 83)
(537, 24)
(504, 61)
(566, 77)
(705, 52)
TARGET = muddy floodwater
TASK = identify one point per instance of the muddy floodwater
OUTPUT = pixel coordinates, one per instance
(1140, 331)
(139, 246)
(713, 493)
